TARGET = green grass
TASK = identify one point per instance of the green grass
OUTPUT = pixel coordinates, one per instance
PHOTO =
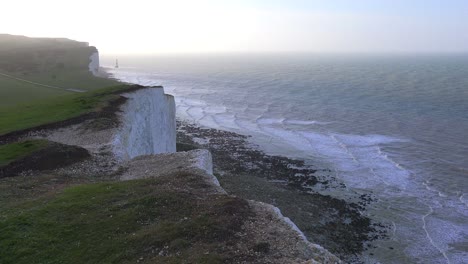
(55, 109)
(13, 92)
(55, 62)
(118, 222)
(15, 151)
(78, 79)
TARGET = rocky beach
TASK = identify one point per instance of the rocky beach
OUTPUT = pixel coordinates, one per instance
(247, 172)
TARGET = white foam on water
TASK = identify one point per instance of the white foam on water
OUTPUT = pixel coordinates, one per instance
(288, 137)
(358, 159)
(305, 122)
(368, 153)
(284, 121)
(269, 121)
(190, 108)
(247, 125)
(208, 121)
(442, 230)
(211, 110)
(126, 76)
(463, 199)
(362, 164)
(195, 112)
(385, 156)
(429, 188)
(193, 102)
(443, 252)
(226, 121)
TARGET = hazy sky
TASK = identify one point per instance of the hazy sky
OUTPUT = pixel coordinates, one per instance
(157, 26)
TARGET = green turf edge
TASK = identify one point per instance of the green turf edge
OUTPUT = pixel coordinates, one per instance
(18, 150)
(56, 109)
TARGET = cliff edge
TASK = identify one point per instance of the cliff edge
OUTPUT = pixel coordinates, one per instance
(150, 203)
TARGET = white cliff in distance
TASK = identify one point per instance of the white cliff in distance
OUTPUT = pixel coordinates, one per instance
(94, 63)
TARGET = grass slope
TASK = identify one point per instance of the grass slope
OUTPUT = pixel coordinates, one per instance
(14, 92)
(155, 220)
(55, 109)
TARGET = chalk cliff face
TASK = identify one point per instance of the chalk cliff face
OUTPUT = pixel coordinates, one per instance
(148, 124)
(94, 63)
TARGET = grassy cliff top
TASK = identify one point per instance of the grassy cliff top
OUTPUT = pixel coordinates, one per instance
(54, 62)
(23, 55)
(59, 108)
(15, 43)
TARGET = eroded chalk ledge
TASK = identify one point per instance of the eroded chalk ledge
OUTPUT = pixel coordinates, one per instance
(265, 228)
(197, 162)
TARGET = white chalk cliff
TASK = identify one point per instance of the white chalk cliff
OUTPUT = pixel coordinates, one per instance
(94, 63)
(148, 124)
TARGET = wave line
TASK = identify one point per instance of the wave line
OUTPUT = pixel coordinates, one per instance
(429, 237)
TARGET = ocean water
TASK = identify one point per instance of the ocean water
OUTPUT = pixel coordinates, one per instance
(395, 127)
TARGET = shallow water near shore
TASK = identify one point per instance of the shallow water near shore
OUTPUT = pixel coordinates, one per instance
(392, 127)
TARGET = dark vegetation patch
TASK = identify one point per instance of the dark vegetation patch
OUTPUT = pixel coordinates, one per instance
(147, 221)
(37, 155)
(185, 147)
(249, 173)
(15, 151)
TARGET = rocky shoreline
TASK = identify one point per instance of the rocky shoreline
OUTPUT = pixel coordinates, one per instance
(247, 172)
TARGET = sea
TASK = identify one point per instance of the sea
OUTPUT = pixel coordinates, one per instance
(393, 126)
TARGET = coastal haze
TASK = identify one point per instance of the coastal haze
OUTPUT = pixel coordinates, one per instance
(185, 26)
(372, 94)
